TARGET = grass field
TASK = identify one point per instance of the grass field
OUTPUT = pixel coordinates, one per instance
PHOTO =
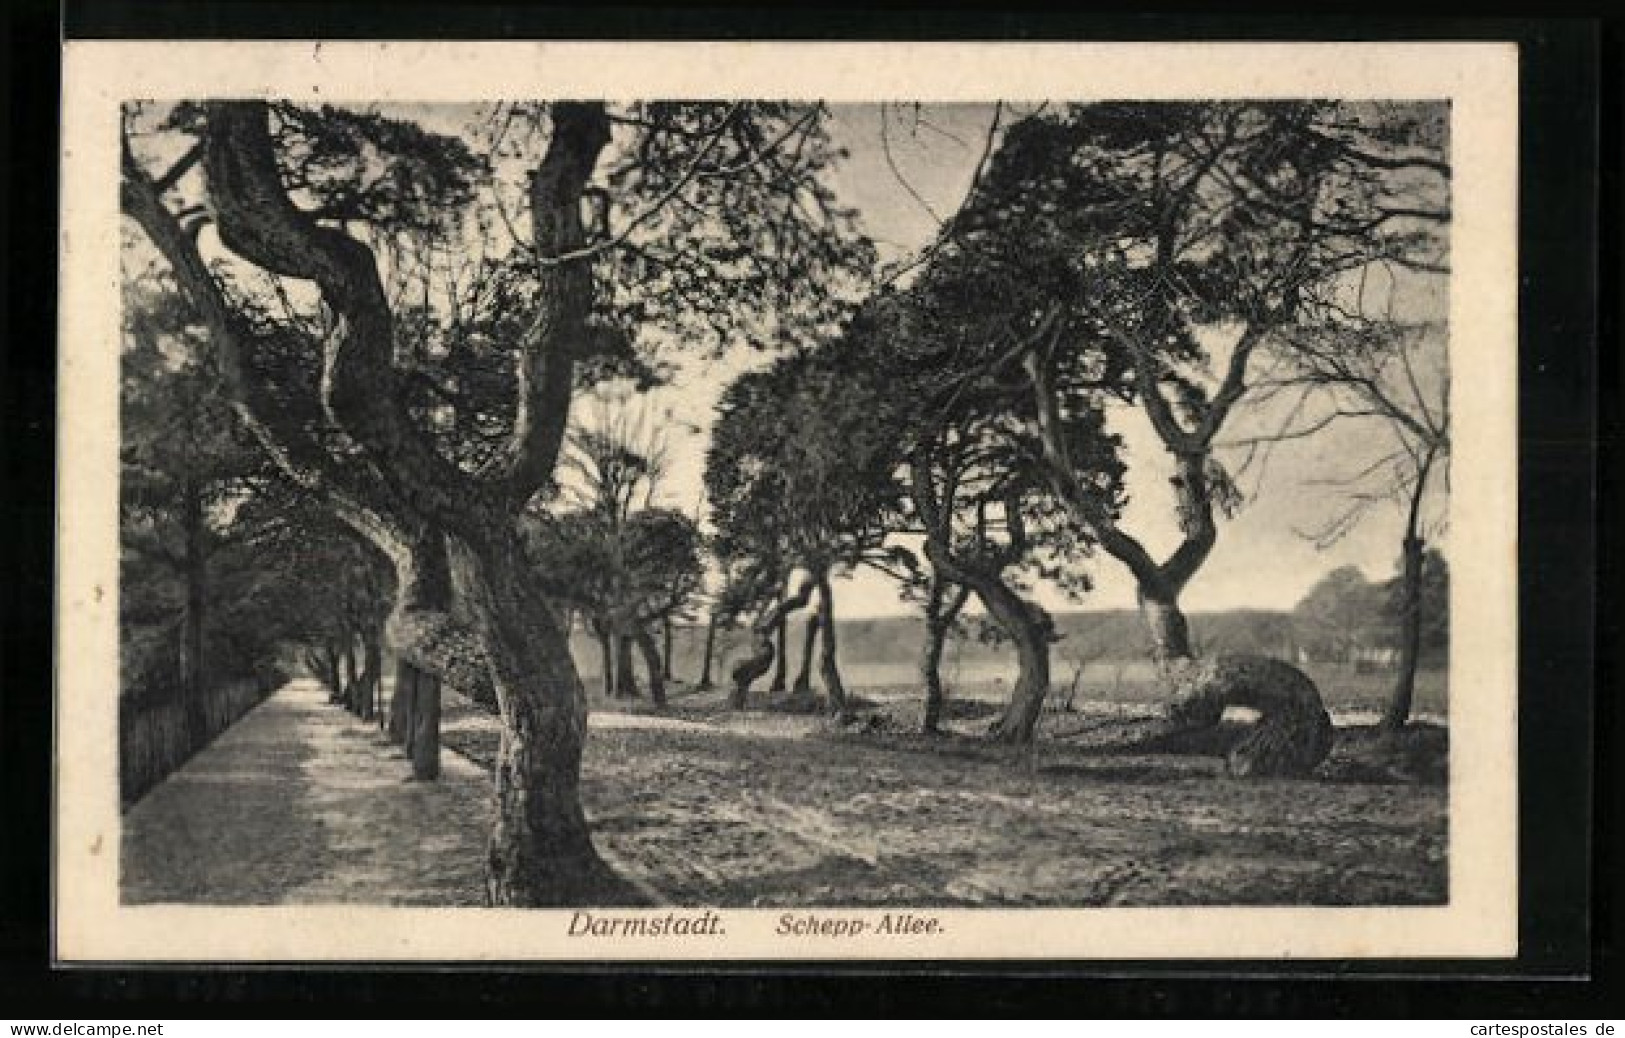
(1355, 696)
(881, 652)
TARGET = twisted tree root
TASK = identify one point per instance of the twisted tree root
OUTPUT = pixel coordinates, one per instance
(1293, 734)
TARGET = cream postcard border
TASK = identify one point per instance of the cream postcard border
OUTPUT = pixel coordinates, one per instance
(1480, 919)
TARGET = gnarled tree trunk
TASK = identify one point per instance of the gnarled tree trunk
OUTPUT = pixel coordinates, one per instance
(1027, 625)
(1293, 733)
(626, 678)
(352, 676)
(413, 503)
(332, 673)
(762, 651)
(399, 726)
(1030, 629)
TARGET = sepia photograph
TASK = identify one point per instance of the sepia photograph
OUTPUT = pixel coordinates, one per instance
(736, 518)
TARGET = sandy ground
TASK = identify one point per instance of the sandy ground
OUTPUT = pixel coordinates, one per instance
(299, 802)
(765, 808)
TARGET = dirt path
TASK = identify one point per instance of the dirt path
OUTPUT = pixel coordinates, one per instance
(299, 802)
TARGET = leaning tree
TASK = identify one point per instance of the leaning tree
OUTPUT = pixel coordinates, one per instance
(1181, 239)
(661, 555)
(647, 216)
(1171, 244)
(800, 474)
(949, 346)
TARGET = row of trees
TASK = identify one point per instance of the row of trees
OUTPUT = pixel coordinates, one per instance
(624, 566)
(225, 563)
(399, 318)
(225, 567)
(1206, 264)
(397, 365)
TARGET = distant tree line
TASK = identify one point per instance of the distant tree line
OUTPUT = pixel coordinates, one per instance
(1204, 264)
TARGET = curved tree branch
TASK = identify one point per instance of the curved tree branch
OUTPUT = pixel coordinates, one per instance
(1232, 388)
(300, 460)
(1063, 479)
(546, 367)
(258, 221)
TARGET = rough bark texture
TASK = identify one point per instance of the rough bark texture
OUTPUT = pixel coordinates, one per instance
(708, 653)
(1398, 713)
(809, 641)
(626, 677)
(541, 852)
(412, 503)
(653, 663)
(1030, 629)
(1293, 733)
(781, 642)
(829, 670)
(1165, 622)
(371, 673)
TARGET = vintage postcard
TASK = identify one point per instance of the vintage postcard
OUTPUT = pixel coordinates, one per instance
(620, 501)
